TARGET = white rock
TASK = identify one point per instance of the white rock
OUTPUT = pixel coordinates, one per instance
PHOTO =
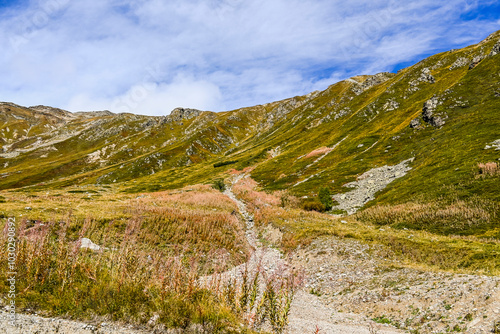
(87, 243)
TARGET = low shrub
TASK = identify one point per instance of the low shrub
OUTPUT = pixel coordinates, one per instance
(219, 185)
(325, 197)
(313, 206)
(224, 163)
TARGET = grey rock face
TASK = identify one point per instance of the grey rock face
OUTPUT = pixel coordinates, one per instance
(496, 49)
(426, 76)
(184, 113)
(460, 62)
(429, 107)
(475, 62)
(428, 113)
(372, 81)
(436, 122)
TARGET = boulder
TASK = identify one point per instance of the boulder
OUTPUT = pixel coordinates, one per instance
(436, 122)
(415, 123)
(428, 109)
(426, 76)
(88, 244)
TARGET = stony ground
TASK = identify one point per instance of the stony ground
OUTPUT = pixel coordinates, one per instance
(368, 184)
(353, 278)
(309, 313)
(31, 324)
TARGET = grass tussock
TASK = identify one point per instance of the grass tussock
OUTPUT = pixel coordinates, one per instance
(488, 169)
(318, 151)
(258, 298)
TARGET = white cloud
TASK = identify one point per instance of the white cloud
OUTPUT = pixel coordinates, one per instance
(150, 56)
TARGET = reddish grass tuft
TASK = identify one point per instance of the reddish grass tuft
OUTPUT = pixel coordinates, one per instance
(489, 168)
(318, 151)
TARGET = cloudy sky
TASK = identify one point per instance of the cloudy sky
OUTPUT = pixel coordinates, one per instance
(150, 56)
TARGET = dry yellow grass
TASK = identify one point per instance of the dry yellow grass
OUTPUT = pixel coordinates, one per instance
(245, 189)
(458, 215)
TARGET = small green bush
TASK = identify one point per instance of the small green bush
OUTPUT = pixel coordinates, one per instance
(224, 163)
(313, 206)
(325, 197)
(219, 185)
(382, 320)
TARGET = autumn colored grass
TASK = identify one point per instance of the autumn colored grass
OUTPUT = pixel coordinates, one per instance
(460, 217)
(155, 248)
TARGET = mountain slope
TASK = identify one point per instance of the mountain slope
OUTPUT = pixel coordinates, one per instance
(441, 112)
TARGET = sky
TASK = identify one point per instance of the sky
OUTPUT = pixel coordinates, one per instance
(151, 56)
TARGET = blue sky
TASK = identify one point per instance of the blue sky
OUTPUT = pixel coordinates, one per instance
(150, 56)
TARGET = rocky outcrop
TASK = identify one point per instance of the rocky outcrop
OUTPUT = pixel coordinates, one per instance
(179, 114)
(428, 113)
(429, 108)
(425, 76)
(475, 62)
(496, 49)
(52, 111)
(371, 81)
(460, 62)
(391, 105)
(415, 123)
